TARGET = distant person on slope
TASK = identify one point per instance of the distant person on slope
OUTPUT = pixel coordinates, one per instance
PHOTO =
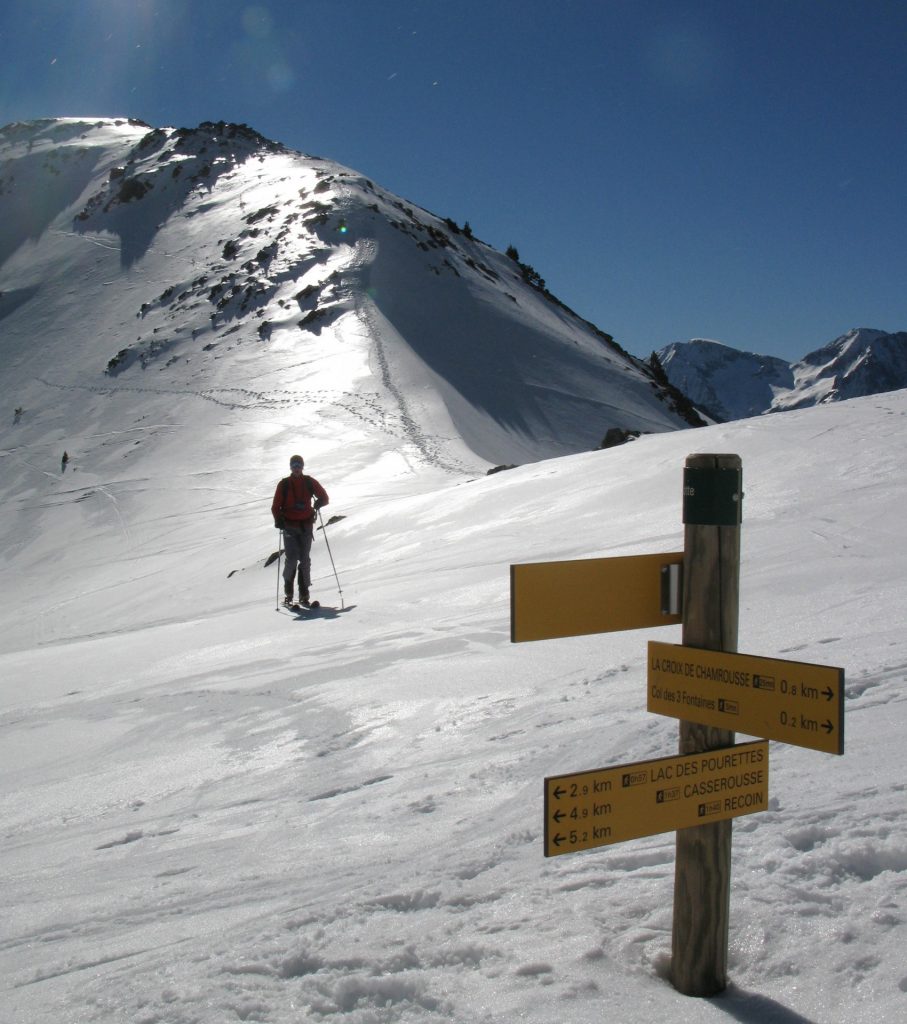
(296, 503)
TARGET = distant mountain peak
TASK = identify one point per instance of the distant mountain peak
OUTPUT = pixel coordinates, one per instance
(722, 381)
(864, 361)
(730, 384)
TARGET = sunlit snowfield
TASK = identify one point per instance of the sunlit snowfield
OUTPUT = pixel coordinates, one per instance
(215, 811)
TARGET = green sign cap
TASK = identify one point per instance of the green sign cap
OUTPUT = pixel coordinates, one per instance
(712, 497)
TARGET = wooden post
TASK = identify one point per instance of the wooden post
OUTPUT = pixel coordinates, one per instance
(711, 587)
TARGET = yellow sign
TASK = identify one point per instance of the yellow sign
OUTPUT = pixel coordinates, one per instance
(612, 805)
(593, 595)
(791, 701)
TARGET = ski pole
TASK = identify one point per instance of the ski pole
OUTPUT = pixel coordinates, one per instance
(334, 567)
(279, 553)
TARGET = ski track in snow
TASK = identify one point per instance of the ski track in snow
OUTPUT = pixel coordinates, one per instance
(426, 446)
(362, 406)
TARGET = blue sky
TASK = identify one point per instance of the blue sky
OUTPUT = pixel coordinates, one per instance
(729, 170)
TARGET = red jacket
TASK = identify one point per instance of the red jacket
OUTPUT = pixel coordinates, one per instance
(293, 499)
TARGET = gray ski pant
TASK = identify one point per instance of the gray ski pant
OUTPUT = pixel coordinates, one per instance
(297, 545)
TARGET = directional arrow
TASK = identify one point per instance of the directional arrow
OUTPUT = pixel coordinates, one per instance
(558, 793)
(765, 697)
(628, 801)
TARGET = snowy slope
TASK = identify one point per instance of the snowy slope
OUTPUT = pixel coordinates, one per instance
(214, 812)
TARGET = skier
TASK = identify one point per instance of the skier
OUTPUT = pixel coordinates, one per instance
(64, 462)
(296, 502)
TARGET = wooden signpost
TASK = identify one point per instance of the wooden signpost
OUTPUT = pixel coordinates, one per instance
(703, 682)
(713, 496)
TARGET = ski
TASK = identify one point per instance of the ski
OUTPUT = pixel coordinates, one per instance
(298, 609)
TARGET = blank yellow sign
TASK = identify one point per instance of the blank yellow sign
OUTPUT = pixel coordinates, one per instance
(589, 595)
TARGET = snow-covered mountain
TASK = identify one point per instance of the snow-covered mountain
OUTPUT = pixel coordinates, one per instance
(190, 262)
(722, 381)
(729, 384)
(861, 362)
